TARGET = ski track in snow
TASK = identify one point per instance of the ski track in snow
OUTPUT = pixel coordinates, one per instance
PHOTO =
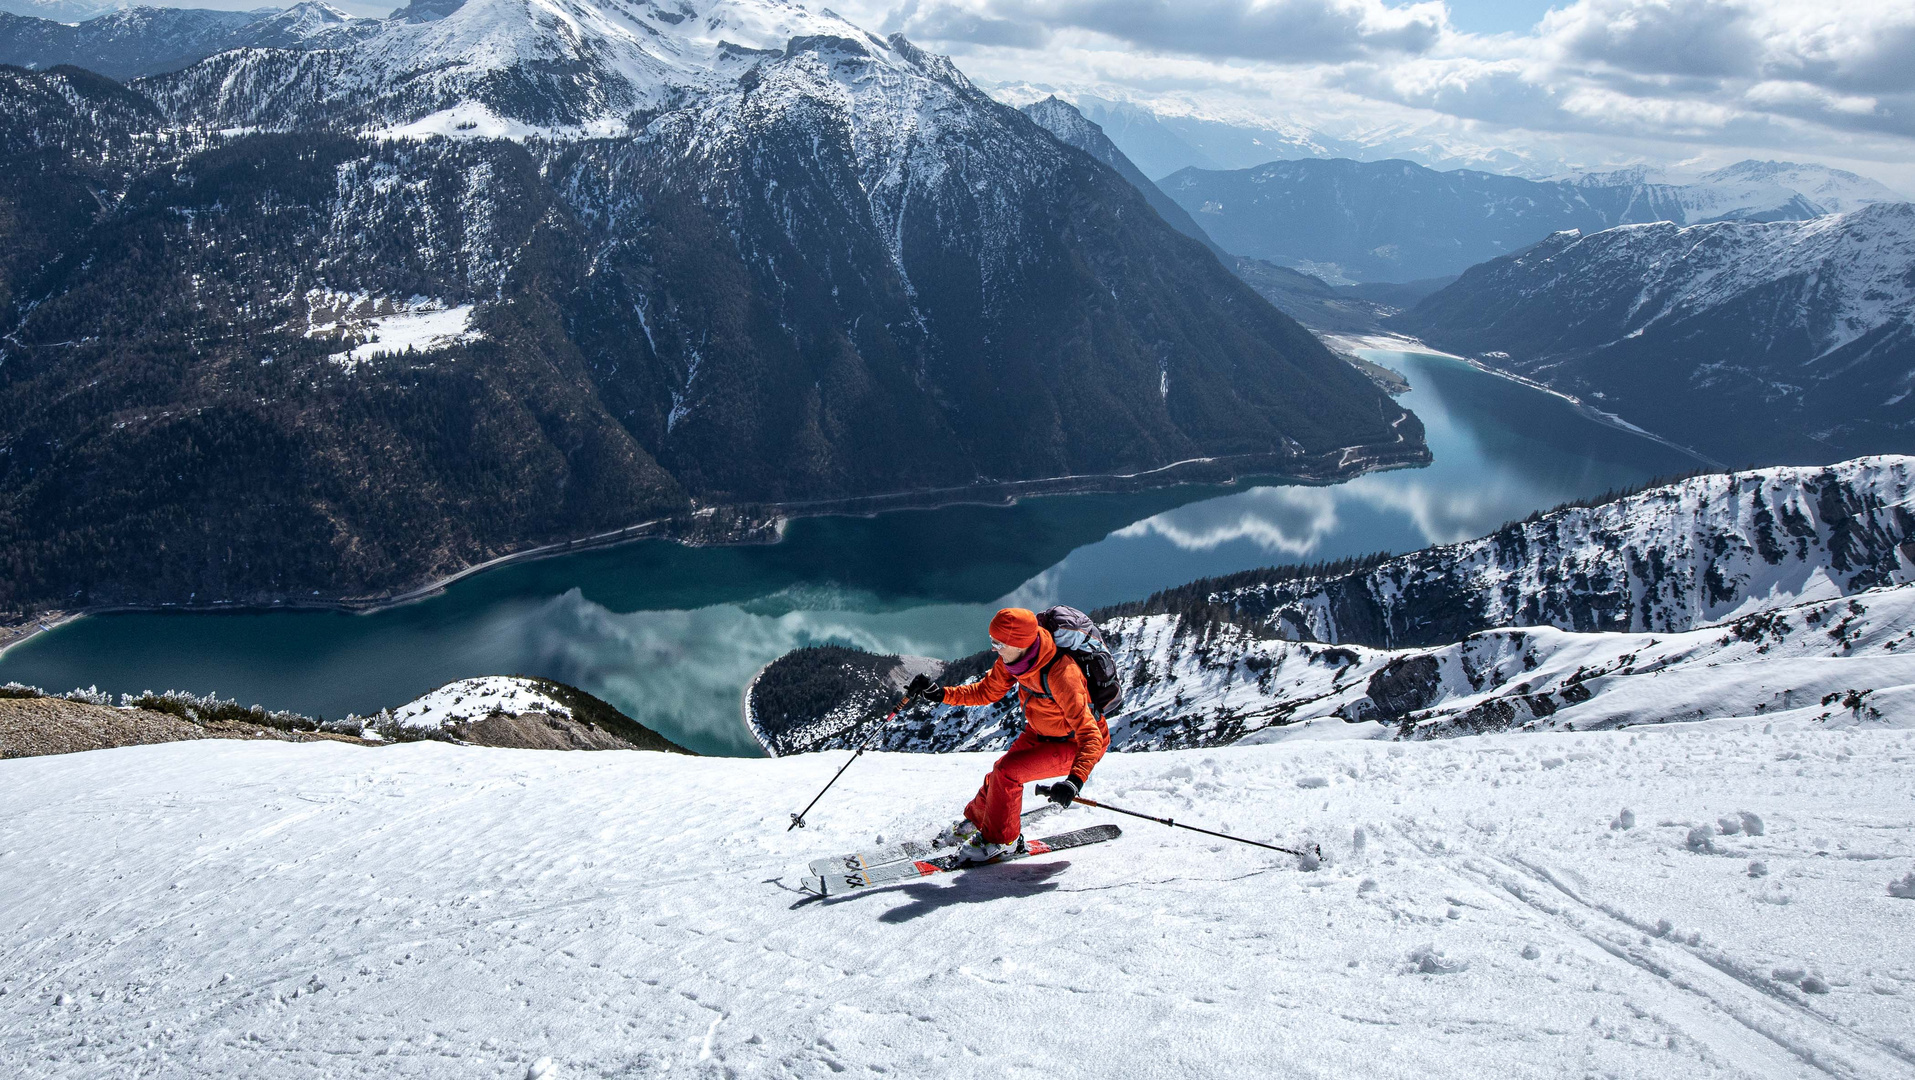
(277, 910)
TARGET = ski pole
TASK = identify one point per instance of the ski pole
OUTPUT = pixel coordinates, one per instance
(798, 819)
(1315, 850)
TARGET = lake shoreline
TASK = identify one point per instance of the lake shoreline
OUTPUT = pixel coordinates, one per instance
(764, 523)
(1354, 344)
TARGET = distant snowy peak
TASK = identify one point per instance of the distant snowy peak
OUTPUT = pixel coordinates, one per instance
(1747, 191)
(134, 42)
(1835, 191)
(310, 25)
(61, 11)
(541, 66)
(1062, 119)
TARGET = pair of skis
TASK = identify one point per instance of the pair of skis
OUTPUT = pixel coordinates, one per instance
(917, 859)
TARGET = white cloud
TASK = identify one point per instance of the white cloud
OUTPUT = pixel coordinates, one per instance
(1269, 31)
(1600, 81)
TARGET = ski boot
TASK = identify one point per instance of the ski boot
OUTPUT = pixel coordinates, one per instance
(978, 850)
(956, 834)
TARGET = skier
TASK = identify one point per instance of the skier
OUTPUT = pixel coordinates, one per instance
(1062, 736)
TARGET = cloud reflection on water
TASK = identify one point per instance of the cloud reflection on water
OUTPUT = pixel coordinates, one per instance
(680, 671)
(1281, 520)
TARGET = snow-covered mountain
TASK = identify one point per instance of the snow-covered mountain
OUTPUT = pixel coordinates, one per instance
(1752, 341)
(520, 712)
(65, 11)
(575, 67)
(1746, 191)
(137, 41)
(1721, 595)
(1348, 220)
(756, 255)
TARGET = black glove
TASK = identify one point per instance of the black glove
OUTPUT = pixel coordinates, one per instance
(1064, 791)
(922, 687)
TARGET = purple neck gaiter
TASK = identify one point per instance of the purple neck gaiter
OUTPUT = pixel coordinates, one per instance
(1027, 661)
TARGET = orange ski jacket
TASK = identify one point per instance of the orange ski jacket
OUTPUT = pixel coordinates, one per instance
(1056, 702)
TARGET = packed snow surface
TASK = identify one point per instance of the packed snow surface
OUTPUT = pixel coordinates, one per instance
(476, 699)
(1714, 899)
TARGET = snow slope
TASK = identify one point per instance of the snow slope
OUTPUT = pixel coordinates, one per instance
(433, 911)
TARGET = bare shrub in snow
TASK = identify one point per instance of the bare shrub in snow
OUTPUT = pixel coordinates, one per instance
(1729, 826)
(1903, 889)
(213, 709)
(21, 690)
(1751, 824)
(91, 695)
(1427, 959)
(1701, 840)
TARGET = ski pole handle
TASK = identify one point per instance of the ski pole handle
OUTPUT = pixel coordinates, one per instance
(1043, 789)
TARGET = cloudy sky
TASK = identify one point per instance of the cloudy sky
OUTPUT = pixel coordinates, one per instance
(1588, 83)
(1515, 85)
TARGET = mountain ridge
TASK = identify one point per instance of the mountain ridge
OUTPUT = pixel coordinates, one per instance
(1354, 221)
(1754, 341)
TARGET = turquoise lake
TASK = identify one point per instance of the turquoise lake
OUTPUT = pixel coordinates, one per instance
(671, 634)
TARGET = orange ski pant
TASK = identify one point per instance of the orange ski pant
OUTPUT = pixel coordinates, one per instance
(1000, 801)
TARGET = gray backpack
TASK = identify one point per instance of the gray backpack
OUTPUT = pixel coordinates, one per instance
(1078, 638)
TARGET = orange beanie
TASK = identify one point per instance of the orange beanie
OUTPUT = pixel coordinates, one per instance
(1015, 626)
